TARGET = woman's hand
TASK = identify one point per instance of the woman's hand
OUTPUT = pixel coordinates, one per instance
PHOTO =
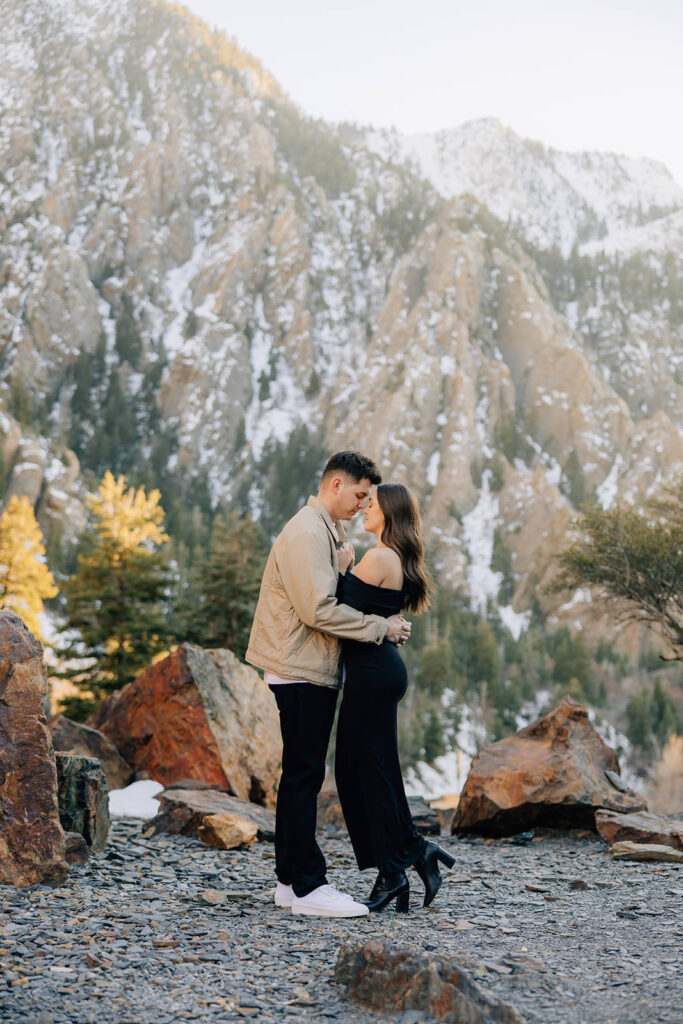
(399, 630)
(346, 556)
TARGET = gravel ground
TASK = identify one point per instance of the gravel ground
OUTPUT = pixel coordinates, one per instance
(552, 926)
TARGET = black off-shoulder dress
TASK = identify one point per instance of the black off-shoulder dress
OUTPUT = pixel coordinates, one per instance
(367, 767)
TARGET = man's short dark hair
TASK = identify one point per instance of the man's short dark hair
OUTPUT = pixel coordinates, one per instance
(354, 464)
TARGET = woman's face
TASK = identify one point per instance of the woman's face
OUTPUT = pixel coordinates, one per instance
(373, 516)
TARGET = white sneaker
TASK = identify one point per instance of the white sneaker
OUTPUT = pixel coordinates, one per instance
(326, 901)
(283, 895)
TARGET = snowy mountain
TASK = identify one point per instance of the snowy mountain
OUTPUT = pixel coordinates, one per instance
(552, 198)
(205, 289)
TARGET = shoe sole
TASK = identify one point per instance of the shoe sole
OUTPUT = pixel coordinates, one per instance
(319, 912)
(283, 906)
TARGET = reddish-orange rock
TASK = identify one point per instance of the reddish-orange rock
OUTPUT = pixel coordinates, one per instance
(551, 773)
(32, 846)
(198, 715)
(639, 828)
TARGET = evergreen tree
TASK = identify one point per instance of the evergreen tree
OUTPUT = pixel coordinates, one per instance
(435, 668)
(583, 667)
(639, 720)
(664, 715)
(128, 340)
(25, 580)
(486, 668)
(651, 716)
(116, 598)
(433, 737)
(286, 474)
(227, 585)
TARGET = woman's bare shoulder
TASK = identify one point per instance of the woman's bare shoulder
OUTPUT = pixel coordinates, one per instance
(380, 565)
(370, 569)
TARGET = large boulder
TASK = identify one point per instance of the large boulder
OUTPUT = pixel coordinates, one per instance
(83, 798)
(198, 715)
(552, 773)
(76, 738)
(32, 846)
(394, 980)
(194, 812)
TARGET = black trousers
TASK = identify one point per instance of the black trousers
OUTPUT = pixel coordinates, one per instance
(306, 717)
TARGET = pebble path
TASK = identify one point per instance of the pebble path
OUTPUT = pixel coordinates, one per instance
(552, 926)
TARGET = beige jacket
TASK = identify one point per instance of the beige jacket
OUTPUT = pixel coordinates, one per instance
(297, 619)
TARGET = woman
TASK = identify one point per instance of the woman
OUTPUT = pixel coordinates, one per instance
(388, 578)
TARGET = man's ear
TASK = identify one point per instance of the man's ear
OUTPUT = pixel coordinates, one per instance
(337, 484)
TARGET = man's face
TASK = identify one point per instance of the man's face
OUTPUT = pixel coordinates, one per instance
(350, 496)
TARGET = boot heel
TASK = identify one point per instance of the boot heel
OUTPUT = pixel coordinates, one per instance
(445, 858)
(403, 903)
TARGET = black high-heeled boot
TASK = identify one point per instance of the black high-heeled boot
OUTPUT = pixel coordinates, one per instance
(427, 868)
(387, 888)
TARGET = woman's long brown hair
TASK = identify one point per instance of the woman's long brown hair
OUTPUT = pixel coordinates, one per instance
(402, 532)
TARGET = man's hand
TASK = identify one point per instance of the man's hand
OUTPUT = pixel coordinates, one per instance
(346, 556)
(399, 630)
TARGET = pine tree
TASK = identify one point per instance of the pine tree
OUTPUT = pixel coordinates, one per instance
(583, 666)
(25, 580)
(664, 715)
(433, 737)
(227, 584)
(128, 340)
(486, 661)
(435, 670)
(116, 599)
(639, 719)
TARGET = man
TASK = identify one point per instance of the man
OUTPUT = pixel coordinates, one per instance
(294, 639)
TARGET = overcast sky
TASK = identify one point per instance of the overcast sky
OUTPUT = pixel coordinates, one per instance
(590, 74)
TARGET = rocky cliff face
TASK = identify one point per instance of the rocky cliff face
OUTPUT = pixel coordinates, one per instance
(191, 268)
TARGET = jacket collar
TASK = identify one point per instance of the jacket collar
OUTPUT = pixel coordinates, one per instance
(337, 530)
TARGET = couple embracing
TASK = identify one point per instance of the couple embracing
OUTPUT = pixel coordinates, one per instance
(323, 623)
